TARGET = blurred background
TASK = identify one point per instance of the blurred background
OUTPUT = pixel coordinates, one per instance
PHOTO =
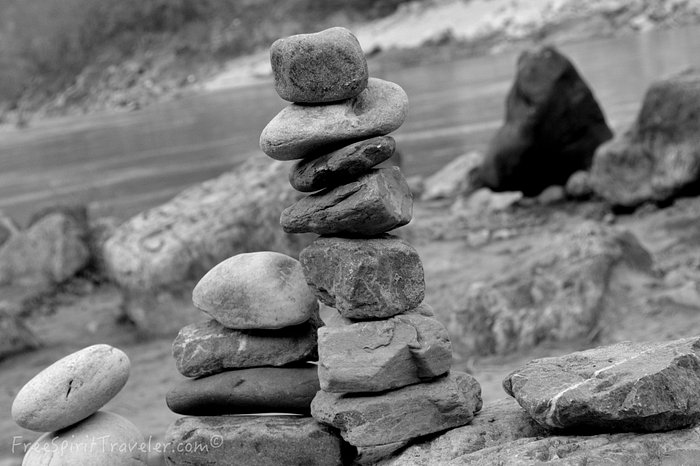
(110, 109)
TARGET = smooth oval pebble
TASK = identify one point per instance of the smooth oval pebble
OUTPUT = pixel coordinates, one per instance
(257, 290)
(71, 389)
(103, 439)
(304, 131)
(325, 66)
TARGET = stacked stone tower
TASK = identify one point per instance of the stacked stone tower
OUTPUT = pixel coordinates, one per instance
(384, 361)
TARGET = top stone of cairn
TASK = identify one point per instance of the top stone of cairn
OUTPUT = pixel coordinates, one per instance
(323, 67)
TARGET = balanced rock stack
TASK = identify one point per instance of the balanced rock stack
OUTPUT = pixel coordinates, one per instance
(64, 400)
(251, 357)
(384, 361)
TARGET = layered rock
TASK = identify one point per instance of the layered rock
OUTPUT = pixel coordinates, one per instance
(553, 125)
(658, 157)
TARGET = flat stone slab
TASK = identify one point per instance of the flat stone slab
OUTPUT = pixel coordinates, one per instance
(257, 290)
(365, 278)
(377, 202)
(643, 387)
(307, 131)
(321, 67)
(208, 347)
(252, 441)
(341, 166)
(403, 414)
(246, 391)
(382, 355)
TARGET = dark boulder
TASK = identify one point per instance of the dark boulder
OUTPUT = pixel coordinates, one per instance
(552, 127)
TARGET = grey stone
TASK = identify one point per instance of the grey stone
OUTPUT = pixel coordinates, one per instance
(579, 186)
(246, 391)
(15, 336)
(304, 131)
(454, 178)
(658, 157)
(253, 441)
(498, 423)
(208, 347)
(561, 292)
(551, 195)
(256, 290)
(552, 127)
(642, 387)
(365, 278)
(377, 202)
(316, 68)
(341, 166)
(8, 228)
(381, 419)
(382, 355)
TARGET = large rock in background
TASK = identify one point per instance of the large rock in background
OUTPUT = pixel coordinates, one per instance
(158, 255)
(658, 157)
(627, 387)
(558, 293)
(553, 125)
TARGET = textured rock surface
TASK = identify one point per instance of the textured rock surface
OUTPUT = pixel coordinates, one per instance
(50, 251)
(623, 387)
(369, 420)
(497, 423)
(382, 355)
(675, 448)
(256, 290)
(104, 438)
(178, 242)
(254, 441)
(375, 203)
(302, 131)
(208, 347)
(245, 391)
(322, 67)
(341, 166)
(454, 178)
(557, 294)
(71, 389)
(552, 127)
(658, 158)
(365, 278)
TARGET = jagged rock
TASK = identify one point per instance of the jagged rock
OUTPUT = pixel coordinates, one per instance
(658, 157)
(306, 131)
(552, 127)
(51, 250)
(341, 166)
(679, 447)
(365, 278)
(256, 290)
(382, 355)
(558, 293)
(628, 387)
(326, 66)
(178, 242)
(454, 178)
(381, 419)
(245, 391)
(207, 348)
(579, 186)
(499, 422)
(377, 202)
(15, 337)
(253, 441)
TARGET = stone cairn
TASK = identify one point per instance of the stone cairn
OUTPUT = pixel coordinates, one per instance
(384, 361)
(250, 358)
(65, 400)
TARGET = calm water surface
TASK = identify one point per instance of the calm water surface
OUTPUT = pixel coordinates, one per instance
(123, 163)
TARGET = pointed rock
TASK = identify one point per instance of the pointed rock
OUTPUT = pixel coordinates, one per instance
(365, 278)
(304, 131)
(641, 387)
(371, 420)
(382, 355)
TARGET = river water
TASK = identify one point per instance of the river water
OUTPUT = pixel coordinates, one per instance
(123, 163)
